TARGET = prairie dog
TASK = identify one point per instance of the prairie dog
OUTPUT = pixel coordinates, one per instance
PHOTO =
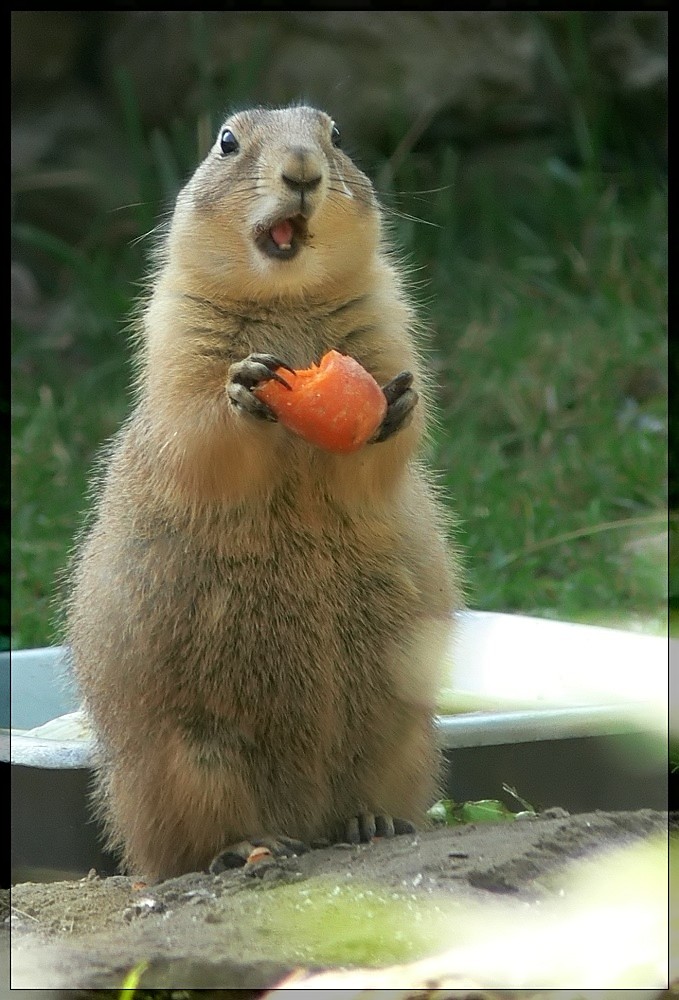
(257, 626)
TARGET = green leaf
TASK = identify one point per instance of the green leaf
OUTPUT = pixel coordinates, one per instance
(131, 980)
(451, 813)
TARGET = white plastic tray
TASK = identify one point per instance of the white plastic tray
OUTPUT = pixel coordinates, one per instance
(512, 679)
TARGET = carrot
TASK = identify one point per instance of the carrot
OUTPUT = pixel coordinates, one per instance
(258, 854)
(336, 405)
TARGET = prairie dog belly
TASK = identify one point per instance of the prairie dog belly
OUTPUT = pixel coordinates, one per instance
(315, 686)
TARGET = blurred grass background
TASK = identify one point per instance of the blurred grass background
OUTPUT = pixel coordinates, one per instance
(542, 274)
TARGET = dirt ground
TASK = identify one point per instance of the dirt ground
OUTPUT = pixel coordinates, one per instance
(250, 928)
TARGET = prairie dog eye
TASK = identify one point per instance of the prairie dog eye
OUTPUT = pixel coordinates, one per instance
(228, 142)
(335, 136)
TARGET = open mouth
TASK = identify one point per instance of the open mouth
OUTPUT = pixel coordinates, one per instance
(284, 238)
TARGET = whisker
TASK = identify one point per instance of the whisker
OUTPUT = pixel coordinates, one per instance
(342, 201)
(387, 209)
(409, 193)
(408, 217)
(123, 208)
(144, 236)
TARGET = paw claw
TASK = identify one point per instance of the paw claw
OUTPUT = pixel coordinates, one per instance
(246, 375)
(401, 399)
(403, 826)
(361, 829)
(384, 826)
(397, 386)
(279, 378)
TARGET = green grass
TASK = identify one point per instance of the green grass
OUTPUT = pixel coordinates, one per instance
(554, 421)
(543, 277)
(58, 420)
(547, 287)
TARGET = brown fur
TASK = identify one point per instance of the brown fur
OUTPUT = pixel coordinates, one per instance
(257, 626)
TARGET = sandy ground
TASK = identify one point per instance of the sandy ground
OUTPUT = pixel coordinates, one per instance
(252, 927)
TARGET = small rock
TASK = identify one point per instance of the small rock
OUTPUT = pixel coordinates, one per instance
(143, 907)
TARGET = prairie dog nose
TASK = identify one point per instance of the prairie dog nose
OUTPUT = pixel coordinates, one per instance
(302, 169)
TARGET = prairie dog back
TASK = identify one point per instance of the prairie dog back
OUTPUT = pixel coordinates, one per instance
(258, 626)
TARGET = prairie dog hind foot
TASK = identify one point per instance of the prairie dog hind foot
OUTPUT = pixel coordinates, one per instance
(359, 829)
(236, 855)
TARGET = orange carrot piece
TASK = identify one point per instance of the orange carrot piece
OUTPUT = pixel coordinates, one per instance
(336, 405)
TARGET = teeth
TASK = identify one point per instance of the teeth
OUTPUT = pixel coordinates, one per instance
(285, 246)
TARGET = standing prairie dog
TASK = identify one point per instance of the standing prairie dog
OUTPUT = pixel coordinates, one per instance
(258, 626)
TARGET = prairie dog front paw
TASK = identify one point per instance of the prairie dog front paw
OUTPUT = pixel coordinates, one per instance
(246, 375)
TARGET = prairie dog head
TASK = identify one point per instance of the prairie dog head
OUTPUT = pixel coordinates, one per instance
(276, 210)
